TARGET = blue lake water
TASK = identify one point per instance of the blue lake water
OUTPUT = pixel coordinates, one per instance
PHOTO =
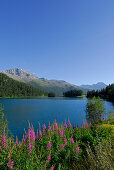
(44, 110)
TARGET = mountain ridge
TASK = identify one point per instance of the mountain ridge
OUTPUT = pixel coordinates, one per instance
(97, 86)
(57, 86)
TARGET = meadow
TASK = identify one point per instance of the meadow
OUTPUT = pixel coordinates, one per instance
(58, 146)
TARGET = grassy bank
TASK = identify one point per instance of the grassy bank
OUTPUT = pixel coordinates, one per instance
(59, 147)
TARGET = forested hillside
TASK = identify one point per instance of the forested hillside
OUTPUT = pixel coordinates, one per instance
(107, 93)
(12, 88)
(56, 86)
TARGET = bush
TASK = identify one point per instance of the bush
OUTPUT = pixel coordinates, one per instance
(95, 109)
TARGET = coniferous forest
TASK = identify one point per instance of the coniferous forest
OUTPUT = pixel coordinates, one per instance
(73, 93)
(13, 88)
(107, 93)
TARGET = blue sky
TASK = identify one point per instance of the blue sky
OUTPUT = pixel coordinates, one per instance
(70, 40)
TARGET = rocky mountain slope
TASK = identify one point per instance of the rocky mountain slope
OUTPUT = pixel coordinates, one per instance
(57, 86)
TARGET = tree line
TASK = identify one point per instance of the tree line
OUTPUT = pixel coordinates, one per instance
(13, 88)
(73, 93)
(107, 93)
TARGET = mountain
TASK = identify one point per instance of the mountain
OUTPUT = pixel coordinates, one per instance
(98, 86)
(20, 74)
(57, 86)
(13, 88)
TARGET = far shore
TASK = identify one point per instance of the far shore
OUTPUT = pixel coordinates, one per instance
(29, 97)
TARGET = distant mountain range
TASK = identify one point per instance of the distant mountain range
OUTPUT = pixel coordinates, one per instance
(57, 86)
(97, 86)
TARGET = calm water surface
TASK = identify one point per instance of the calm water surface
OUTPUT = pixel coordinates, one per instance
(44, 110)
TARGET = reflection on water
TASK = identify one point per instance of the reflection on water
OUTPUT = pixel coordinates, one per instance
(44, 110)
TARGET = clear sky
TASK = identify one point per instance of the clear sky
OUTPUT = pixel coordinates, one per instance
(71, 40)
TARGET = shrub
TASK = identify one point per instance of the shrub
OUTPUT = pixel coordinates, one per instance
(95, 109)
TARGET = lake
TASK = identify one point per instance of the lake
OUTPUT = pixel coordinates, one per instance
(44, 110)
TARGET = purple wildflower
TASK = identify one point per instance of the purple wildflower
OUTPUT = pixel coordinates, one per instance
(23, 140)
(48, 158)
(65, 125)
(44, 129)
(49, 145)
(65, 141)
(71, 140)
(62, 146)
(90, 124)
(69, 124)
(3, 142)
(30, 147)
(52, 168)
(77, 149)
(86, 125)
(10, 164)
(40, 133)
(61, 132)
(31, 135)
(55, 126)
(49, 128)
(31, 140)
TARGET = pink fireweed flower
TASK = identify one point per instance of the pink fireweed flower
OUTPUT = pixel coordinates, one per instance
(65, 141)
(3, 141)
(31, 140)
(17, 143)
(69, 124)
(44, 129)
(31, 135)
(71, 140)
(49, 145)
(49, 158)
(55, 126)
(86, 125)
(40, 133)
(10, 165)
(30, 147)
(49, 128)
(65, 125)
(62, 146)
(23, 140)
(90, 124)
(61, 132)
(52, 168)
(77, 149)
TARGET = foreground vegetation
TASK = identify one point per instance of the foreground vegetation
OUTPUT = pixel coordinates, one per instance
(12, 88)
(59, 147)
(107, 93)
